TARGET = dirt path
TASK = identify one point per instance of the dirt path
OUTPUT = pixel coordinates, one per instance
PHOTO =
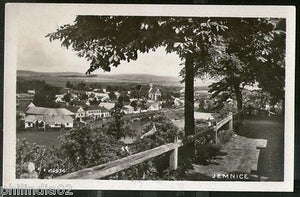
(256, 151)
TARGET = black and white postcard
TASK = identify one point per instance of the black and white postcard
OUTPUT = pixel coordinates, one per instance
(149, 97)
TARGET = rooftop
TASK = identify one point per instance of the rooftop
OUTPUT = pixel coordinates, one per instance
(108, 106)
(96, 107)
(49, 111)
(49, 119)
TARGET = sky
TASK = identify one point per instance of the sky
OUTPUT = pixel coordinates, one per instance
(37, 53)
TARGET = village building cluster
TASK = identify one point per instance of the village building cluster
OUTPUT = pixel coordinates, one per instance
(80, 106)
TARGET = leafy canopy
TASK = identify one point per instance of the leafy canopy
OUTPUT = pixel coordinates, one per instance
(251, 51)
(105, 41)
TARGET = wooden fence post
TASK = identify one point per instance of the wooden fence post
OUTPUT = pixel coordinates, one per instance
(216, 135)
(231, 121)
(173, 162)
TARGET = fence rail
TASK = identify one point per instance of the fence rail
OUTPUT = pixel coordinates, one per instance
(112, 167)
(103, 170)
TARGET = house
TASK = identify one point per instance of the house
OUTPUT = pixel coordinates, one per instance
(30, 105)
(59, 98)
(89, 93)
(42, 117)
(117, 94)
(105, 99)
(133, 99)
(196, 104)
(24, 97)
(154, 93)
(31, 121)
(31, 92)
(153, 106)
(100, 95)
(74, 96)
(203, 116)
(108, 105)
(95, 111)
(178, 102)
(105, 112)
(78, 111)
(50, 121)
(197, 93)
(22, 108)
(127, 109)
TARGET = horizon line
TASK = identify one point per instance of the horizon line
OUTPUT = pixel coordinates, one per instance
(105, 73)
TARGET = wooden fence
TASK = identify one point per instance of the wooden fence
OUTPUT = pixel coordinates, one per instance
(112, 167)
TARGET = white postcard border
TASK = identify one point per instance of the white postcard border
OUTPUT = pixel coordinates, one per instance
(9, 112)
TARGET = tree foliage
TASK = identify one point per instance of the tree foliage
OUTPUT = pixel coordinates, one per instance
(24, 85)
(105, 41)
(46, 96)
(251, 51)
(86, 147)
(67, 97)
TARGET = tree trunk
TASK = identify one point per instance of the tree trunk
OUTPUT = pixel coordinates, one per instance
(189, 149)
(239, 98)
(189, 97)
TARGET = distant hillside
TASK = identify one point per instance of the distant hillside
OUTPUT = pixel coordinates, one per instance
(33, 73)
(60, 78)
(138, 77)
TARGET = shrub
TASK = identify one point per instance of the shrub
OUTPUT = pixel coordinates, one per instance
(48, 161)
(27, 152)
(86, 147)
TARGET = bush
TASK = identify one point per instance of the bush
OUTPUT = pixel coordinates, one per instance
(27, 152)
(48, 161)
(80, 148)
(86, 147)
